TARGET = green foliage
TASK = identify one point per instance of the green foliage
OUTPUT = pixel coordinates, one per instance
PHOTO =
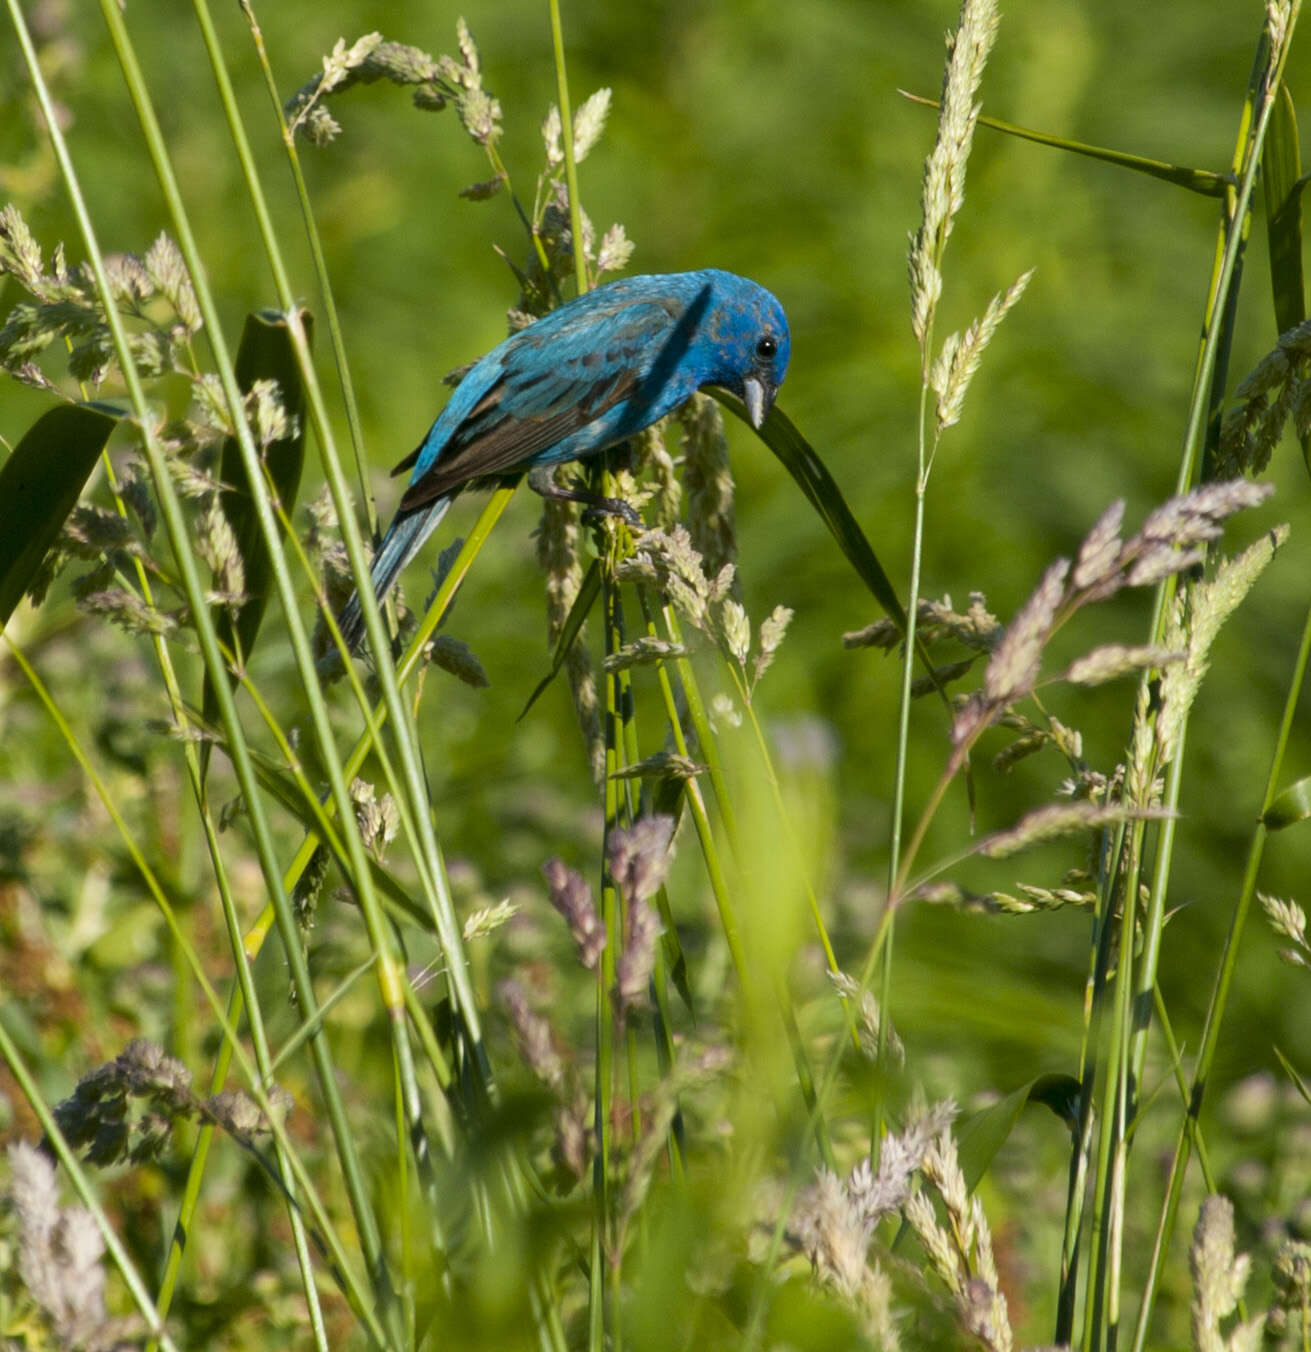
(422, 1035)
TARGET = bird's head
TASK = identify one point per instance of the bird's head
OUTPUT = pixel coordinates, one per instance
(749, 327)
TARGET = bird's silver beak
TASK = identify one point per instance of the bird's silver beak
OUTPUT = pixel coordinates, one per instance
(757, 399)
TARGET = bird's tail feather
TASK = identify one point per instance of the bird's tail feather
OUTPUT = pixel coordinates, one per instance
(405, 537)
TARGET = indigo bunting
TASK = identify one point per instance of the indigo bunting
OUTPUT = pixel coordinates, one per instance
(597, 370)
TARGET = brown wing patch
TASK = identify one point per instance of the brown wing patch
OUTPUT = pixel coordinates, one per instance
(484, 406)
(506, 443)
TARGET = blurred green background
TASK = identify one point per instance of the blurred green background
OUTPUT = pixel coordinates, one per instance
(772, 140)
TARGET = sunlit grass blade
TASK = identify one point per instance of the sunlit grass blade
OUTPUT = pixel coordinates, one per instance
(1260, 106)
(39, 486)
(1203, 181)
(265, 353)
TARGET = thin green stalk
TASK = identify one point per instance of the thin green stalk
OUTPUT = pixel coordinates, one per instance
(1107, 1200)
(627, 744)
(1209, 1179)
(350, 405)
(1110, 1132)
(301, 1034)
(901, 764)
(709, 750)
(1235, 220)
(604, 1298)
(1220, 996)
(663, 1022)
(1258, 107)
(404, 1241)
(696, 802)
(1103, 933)
(567, 135)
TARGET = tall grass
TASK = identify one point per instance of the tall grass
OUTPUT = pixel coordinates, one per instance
(661, 1099)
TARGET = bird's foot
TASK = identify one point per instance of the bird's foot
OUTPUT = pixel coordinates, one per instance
(541, 481)
(597, 509)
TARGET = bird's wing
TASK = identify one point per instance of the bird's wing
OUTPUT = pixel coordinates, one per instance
(554, 380)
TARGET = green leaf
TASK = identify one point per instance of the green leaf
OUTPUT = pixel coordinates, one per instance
(1283, 181)
(1293, 805)
(779, 433)
(1203, 181)
(981, 1135)
(266, 353)
(799, 459)
(39, 485)
(1298, 1082)
(1281, 175)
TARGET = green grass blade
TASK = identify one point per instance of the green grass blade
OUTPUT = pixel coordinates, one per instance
(39, 485)
(1299, 1083)
(1203, 181)
(1281, 173)
(1283, 182)
(800, 460)
(327, 297)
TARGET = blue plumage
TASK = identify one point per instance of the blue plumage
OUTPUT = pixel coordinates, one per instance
(586, 376)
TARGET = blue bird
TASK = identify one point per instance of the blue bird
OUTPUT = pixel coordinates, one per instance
(597, 370)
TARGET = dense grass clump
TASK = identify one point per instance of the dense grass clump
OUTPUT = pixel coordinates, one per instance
(744, 965)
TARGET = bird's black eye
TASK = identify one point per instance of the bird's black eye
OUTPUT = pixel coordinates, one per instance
(767, 348)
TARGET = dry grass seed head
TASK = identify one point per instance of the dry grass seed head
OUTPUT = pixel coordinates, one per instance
(572, 897)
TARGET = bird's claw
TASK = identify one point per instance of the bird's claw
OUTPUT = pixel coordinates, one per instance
(601, 508)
